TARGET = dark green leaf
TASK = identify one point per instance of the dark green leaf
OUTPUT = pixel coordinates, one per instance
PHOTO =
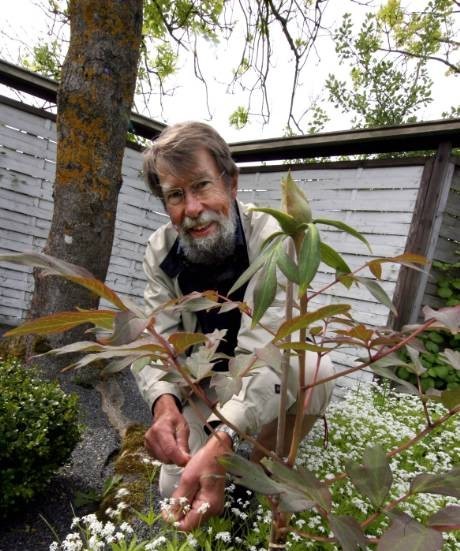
(406, 534)
(309, 258)
(288, 267)
(348, 533)
(376, 291)
(450, 398)
(265, 289)
(126, 328)
(286, 221)
(254, 267)
(344, 227)
(446, 484)
(374, 477)
(333, 259)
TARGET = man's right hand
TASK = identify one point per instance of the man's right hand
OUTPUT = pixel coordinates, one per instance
(167, 438)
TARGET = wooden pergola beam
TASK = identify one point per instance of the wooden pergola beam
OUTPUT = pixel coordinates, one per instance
(46, 88)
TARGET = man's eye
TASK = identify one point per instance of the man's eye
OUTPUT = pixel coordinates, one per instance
(202, 185)
(174, 195)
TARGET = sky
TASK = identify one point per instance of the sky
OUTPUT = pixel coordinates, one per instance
(24, 19)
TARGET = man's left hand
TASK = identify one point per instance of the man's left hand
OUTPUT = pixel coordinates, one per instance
(203, 484)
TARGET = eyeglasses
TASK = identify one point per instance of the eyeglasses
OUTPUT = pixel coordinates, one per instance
(200, 189)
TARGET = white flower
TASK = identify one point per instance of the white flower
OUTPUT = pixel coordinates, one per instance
(203, 508)
(125, 527)
(223, 536)
(192, 541)
(54, 546)
(122, 492)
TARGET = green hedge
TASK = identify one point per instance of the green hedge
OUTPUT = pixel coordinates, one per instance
(38, 431)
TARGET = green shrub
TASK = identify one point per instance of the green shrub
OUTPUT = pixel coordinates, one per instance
(38, 431)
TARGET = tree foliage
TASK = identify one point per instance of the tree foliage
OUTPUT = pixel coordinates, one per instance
(388, 61)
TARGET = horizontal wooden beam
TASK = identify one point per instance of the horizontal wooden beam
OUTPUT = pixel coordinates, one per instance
(424, 136)
(46, 88)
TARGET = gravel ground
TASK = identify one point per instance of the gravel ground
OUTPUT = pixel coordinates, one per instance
(91, 464)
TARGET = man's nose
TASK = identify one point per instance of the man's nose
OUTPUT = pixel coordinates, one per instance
(193, 205)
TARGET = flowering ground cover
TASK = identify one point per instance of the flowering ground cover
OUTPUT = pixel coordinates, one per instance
(370, 415)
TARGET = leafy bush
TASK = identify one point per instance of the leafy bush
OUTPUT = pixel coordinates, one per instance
(38, 431)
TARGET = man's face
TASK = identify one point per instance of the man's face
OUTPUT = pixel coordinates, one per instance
(201, 208)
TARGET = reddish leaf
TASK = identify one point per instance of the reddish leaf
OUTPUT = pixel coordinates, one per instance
(376, 269)
(183, 340)
(348, 533)
(446, 484)
(448, 317)
(374, 477)
(57, 323)
(300, 322)
(446, 519)
(406, 534)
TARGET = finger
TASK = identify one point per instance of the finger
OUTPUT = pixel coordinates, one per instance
(182, 436)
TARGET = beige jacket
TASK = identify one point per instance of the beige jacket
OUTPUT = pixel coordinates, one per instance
(257, 403)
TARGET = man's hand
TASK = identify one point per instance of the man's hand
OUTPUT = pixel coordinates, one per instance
(203, 484)
(167, 438)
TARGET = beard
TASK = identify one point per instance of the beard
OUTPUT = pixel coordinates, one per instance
(214, 248)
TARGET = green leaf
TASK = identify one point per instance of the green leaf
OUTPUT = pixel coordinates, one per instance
(446, 519)
(287, 222)
(118, 365)
(377, 292)
(446, 484)
(309, 258)
(406, 534)
(288, 267)
(302, 481)
(265, 289)
(254, 267)
(183, 340)
(300, 322)
(348, 532)
(333, 259)
(374, 477)
(344, 227)
(249, 474)
(63, 321)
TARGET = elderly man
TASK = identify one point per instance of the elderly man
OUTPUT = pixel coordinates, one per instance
(210, 241)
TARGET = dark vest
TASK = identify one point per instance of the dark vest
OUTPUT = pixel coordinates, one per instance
(219, 277)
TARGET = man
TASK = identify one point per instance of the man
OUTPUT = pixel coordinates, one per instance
(209, 242)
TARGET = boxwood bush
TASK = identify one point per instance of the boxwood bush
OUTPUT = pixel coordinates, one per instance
(38, 431)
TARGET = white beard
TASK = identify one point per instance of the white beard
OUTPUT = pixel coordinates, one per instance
(213, 248)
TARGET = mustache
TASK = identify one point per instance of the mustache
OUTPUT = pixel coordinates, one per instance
(204, 218)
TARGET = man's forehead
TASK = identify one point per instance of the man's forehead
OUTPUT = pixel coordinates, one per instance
(169, 180)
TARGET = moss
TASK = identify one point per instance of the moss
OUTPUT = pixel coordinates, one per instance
(132, 464)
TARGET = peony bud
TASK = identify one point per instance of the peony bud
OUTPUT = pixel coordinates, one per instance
(294, 201)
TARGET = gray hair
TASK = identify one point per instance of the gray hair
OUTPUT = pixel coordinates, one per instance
(175, 150)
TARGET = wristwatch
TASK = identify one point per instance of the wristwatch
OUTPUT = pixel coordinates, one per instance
(235, 437)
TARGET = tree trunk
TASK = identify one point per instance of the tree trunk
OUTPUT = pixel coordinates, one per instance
(94, 104)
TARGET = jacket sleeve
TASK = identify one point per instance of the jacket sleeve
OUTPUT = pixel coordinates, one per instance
(158, 291)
